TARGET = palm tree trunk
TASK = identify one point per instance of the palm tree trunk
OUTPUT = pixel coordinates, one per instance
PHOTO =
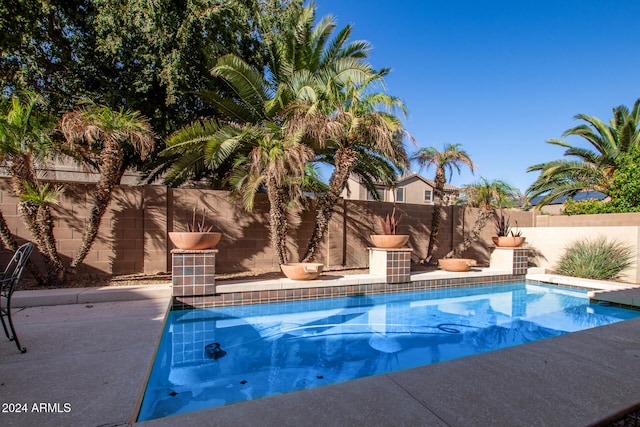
(435, 228)
(345, 161)
(8, 239)
(283, 228)
(110, 166)
(45, 228)
(437, 212)
(10, 243)
(22, 174)
(277, 221)
(473, 235)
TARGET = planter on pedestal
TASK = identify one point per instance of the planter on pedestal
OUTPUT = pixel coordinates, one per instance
(389, 241)
(194, 240)
(508, 241)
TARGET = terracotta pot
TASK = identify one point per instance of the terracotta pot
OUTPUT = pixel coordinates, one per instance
(456, 264)
(192, 240)
(508, 241)
(389, 241)
(302, 270)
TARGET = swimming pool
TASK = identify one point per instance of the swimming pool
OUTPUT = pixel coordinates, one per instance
(214, 357)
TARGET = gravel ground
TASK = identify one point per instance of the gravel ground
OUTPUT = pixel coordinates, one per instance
(29, 283)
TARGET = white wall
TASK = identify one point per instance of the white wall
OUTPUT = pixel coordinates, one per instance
(550, 242)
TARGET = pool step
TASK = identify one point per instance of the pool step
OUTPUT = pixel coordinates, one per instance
(627, 297)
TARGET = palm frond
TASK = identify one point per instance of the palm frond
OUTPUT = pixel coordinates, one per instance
(231, 108)
(248, 84)
(43, 195)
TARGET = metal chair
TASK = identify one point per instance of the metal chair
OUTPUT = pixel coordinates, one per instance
(8, 282)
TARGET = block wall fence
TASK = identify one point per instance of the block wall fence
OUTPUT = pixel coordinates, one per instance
(133, 233)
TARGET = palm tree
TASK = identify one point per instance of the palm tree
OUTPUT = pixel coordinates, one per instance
(304, 64)
(451, 157)
(355, 133)
(591, 169)
(253, 140)
(42, 198)
(14, 116)
(24, 139)
(487, 196)
(101, 134)
(277, 161)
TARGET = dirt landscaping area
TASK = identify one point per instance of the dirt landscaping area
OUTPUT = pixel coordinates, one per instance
(29, 283)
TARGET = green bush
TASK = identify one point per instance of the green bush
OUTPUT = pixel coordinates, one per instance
(625, 192)
(582, 207)
(595, 259)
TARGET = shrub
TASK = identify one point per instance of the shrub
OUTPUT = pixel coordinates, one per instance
(625, 191)
(583, 207)
(595, 259)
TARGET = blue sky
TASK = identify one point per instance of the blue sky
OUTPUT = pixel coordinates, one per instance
(500, 77)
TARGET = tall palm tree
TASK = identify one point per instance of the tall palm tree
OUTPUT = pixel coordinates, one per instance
(487, 196)
(252, 139)
(101, 134)
(24, 139)
(589, 169)
(450, 158)
(355, 131)
(304, 64)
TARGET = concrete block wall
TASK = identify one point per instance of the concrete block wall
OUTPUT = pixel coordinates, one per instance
(464, 220)
(245, 235)
(133, 233)
(119, 246)
(363, 219)
(155, 218)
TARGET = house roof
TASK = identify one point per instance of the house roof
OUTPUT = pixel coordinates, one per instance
(583, 195)
(405, 178)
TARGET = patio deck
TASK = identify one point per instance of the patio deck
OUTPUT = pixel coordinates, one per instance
(95, 355)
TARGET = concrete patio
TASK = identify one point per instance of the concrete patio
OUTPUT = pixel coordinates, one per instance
(93, 353)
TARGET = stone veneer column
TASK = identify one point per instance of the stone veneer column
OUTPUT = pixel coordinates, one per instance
(193, 272)
(514, 259)
(392, 264)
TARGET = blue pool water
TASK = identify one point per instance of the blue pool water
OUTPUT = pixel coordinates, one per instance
(213, 357)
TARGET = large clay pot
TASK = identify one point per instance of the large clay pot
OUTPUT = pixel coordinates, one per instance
(389, 241)
(194, 240)
(456, 264)
(302, 270)
(508, 241)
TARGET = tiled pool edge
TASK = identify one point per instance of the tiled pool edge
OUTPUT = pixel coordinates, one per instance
(624, 295)
(390, 271)
(245, 292)
(262, 292)
(598, 290)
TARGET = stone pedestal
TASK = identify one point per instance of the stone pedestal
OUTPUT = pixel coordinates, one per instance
(193, 272)
(392, 264)
(515, 260)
